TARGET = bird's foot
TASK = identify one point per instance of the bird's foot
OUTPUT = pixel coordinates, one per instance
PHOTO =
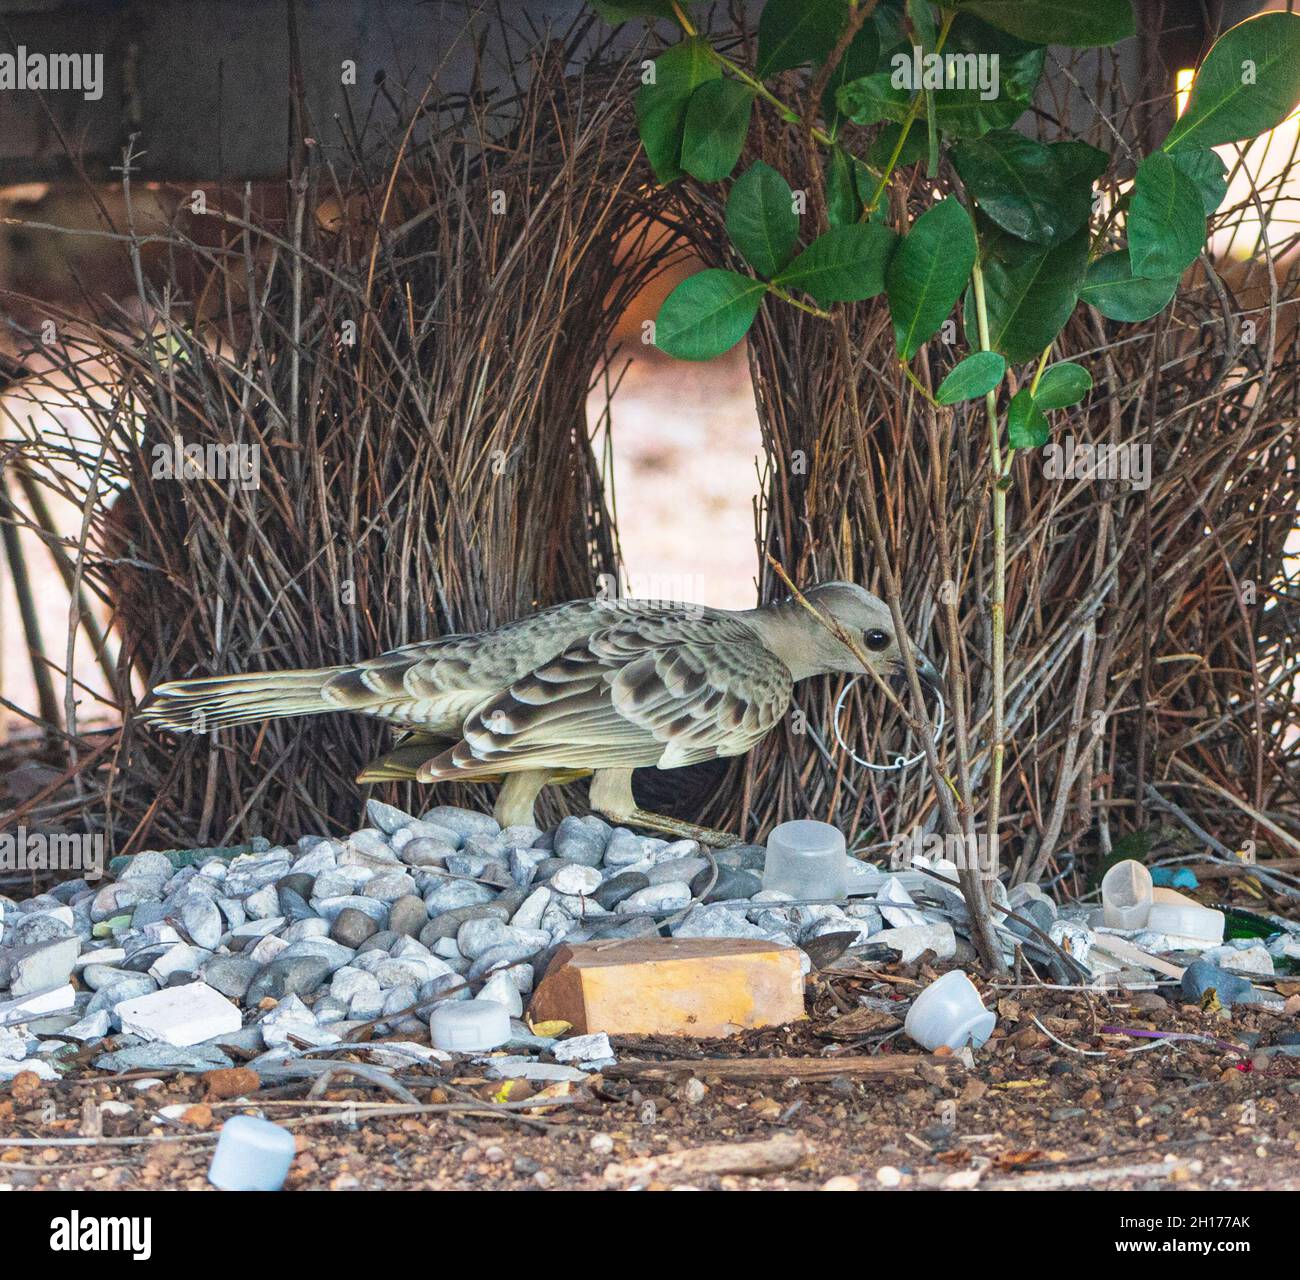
(709, 836)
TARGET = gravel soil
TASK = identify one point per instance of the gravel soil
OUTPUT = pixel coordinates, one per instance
(1181, 1115)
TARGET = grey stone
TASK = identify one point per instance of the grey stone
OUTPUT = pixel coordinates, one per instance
(338, 882)
(581, 840)
(447, 924)
(350, 982)
(410, 970)
(716, 922)
(331, 908)
(529, 915)
(1202, 976)
(507, 954)
(524, 864)
(625, 848)
(157, 1055)
(333, 953)
(575, 878)
(424, 851)
(98, 976)
(388, 886)
(464, 822)
(231, 975)
(658, 898)
(352, 927)
(388, 818)
(500, 988)
(478, 935)
(732, 883)
(149, 863)
(619, 887)
(300, 882)
(408, 915)
(44, 926)
(450, 894)
(94, 1026)
(380, 941)
(292, 905)
(264, 904)
(109, 997)
(515, 1067)
(286, 976)
(40, 966)
(683, 869)
(452, 984)
(201, 920)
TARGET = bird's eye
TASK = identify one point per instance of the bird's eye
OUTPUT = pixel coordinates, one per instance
(876, 639)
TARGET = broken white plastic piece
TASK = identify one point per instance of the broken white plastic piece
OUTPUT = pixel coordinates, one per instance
(1201, 923)
(1126, 895)
(806, 859)
(251, 1155)
(949, 1012)
(470, 1026)
(179, 1016)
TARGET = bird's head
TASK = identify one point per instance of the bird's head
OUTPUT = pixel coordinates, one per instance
(867, 619)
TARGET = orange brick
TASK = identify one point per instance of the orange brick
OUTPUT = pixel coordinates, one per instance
(671, 986)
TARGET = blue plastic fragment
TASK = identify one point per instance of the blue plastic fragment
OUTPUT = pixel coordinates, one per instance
(1175, 877)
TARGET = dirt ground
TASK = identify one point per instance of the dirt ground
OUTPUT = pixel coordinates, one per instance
(1216, 1114)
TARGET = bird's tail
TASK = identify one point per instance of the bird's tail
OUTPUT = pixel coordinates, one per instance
(213, 702)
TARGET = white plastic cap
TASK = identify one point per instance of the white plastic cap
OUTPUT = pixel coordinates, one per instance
(470, 1026)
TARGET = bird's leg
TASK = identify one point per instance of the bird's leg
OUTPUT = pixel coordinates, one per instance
(611, 795)
(514, 806)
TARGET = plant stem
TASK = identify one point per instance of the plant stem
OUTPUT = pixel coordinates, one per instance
(745, 78)
(999, 604)
(912, 113)
(794, 302)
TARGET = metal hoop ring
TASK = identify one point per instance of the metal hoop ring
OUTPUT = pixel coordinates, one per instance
(899, 761)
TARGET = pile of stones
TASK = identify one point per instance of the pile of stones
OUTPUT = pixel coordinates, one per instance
(312, 941)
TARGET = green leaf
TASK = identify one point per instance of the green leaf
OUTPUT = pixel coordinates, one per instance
(761, 219)
(1039, 193)
(882, 147)
(975, 376)
(921, 17)
(859, 60)
(962, 110)
(1028, 304)
(661, 105)
(1248, 83)
(707, 314)
(616, 11)
(847, 264)
(717, 120)
(1081, 24)
(1166, 219)
(1027, 426)
(1062, 385)
(792, 32)
(1112, 288)
(842, 203)
(1208, 173)
(928, 273)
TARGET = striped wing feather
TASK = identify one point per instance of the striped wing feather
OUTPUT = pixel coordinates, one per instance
(656, 688)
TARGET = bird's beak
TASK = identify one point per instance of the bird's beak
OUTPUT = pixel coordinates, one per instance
(926, 672)
(929, 674)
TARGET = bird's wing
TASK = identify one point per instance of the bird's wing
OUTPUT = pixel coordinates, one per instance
(435, 684)
(658, 687)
